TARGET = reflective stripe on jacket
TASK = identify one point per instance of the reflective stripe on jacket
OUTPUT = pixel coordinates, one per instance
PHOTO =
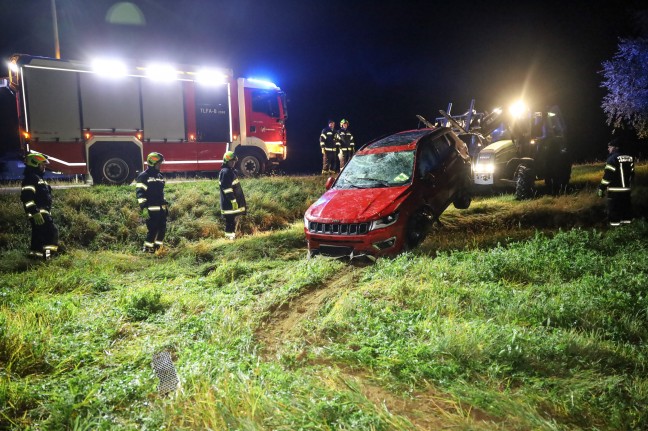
(618, 173)
(328, 139)
(149, 189)
(230, 190)
(35, 193)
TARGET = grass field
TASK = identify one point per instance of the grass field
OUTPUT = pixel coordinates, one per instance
(512, 315)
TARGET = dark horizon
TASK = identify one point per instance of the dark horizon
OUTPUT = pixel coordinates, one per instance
(377, 64)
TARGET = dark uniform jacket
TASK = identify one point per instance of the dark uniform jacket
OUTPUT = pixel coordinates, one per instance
(230, 190)
(345, 140)
(149, 189)
(328, 140)
(618, 174)
(36, 194)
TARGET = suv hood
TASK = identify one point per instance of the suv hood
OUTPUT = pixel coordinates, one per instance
(357, 205)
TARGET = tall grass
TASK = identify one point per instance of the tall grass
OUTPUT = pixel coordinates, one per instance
(512, 315)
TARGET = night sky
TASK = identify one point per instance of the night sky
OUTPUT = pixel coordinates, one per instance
(375, 63)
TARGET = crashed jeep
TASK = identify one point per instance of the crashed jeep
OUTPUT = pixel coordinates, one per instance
(387, 196)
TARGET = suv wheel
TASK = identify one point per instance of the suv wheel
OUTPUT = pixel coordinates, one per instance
(416, 229)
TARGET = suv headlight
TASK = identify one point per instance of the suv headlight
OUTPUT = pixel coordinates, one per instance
(384, 222)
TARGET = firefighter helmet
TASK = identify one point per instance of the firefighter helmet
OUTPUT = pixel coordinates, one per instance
(616, 142)
(36, 159)
(229, 156)
(343, 121)
(154, 158)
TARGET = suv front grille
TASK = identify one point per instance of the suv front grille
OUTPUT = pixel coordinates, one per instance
(338, 228)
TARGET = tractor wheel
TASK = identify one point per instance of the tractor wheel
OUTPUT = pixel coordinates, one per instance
(462, 201)
(559, 180)
(524, 183)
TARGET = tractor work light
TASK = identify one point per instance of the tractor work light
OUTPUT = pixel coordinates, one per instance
(518, 109)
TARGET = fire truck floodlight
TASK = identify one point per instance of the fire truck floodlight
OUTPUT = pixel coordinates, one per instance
(210, 77)
(109, 68)
(161, 72)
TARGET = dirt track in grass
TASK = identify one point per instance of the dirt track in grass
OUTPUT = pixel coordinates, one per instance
(425, 410)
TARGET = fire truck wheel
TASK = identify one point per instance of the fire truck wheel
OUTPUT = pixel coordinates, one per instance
(114, 170)
(250, 165)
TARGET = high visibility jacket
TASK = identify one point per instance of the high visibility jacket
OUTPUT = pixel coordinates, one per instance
(35, 194)
(149, 189)
(618, 173)
(230, 192)
(345, 140)
(328, 140)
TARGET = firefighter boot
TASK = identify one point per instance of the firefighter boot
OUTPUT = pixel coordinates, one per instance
(148, 247)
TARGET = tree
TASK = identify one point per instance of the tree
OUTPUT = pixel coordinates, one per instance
(626, 80)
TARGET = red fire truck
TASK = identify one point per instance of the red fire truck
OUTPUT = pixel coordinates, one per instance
(103, 118)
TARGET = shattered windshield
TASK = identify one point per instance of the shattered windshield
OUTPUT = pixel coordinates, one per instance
(377, 170)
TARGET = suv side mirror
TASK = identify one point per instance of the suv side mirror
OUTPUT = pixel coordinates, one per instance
(329, 182)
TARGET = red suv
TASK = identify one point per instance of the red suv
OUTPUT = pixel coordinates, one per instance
(387, 195)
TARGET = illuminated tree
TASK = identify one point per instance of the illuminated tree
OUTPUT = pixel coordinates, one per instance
(626, 80)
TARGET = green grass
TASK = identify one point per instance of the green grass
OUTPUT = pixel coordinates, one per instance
(511, 316)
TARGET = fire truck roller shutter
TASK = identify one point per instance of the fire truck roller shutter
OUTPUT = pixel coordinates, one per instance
(114, 162)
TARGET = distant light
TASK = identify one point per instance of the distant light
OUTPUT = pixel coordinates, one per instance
(13, 67)
(262, 82)
(110, 68)
(125, 13)
(211, 77)
(518, 109)
(161, 72)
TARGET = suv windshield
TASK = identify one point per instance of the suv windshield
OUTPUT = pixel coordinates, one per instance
(377, 170)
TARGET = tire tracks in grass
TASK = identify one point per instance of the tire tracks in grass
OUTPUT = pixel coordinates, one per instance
(424, 410)
(283, 323)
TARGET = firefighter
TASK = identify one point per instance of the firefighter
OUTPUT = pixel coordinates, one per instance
(345, 143)
(329, 149)
(36, 196)
(232, 199)
(149, 189)
(617, 181)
